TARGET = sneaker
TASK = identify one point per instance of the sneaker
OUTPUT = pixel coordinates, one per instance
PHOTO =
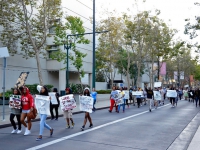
(82, 128)
(27, 132)
(39, 138)
(91, 125)
(19, 131)
(56, 119)
(51, 132)
(68, 126)
(110, 111)
(52, 118)
(73, 125)
(14, 131)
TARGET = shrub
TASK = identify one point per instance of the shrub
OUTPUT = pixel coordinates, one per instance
(76, 88)
(104, 91)
(33, 88)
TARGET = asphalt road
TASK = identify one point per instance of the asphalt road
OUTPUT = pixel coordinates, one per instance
(136, 129)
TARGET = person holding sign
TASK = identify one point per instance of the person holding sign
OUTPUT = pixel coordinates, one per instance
(68, 113)
(87, 114)
(27, 106)
(122, 94)
(55, 103)
(43, 115)
(138, 98)
(15, 111)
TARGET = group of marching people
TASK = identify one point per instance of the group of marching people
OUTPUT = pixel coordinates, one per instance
(148, 96)
(28, 106)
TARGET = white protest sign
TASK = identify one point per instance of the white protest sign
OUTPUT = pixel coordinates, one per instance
(86, 103)
(67, 102)
(157, 95)
(186, 86)
(126, 94)
(171, 93)
(42, 104)
(137, 93)
(53, 98)
(157, 84)
(15, 102)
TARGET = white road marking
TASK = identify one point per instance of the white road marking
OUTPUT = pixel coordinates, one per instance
(89, 130)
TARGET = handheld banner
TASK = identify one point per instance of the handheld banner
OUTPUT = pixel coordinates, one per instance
(67, 102)
(86, 103)
(137, 93)
(157, 84)
(171, 93)
(15, 102)
(53, 98)
(126, 94)
(157, 95)
(22, 79)
(42, 104)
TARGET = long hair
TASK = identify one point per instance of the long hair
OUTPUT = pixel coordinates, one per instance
(46, 92)
(18, 92)
(86, 94)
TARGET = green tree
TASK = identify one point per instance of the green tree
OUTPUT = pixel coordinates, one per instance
(75, 26)
(27, 22)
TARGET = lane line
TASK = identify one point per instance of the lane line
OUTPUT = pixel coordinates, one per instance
(90, 130)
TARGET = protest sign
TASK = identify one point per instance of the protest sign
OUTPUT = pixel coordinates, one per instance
(67, 102)
(15, 102)
(126, 94)
(86, 103)
(171, 93)
(157, 84)
(53, 98)
(42, 104)
(137, 93)
(157, 95)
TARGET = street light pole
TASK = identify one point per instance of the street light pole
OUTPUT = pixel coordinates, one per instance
(94, 58)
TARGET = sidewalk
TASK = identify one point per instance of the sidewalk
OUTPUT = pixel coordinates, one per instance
(102, 102)
(195, 143)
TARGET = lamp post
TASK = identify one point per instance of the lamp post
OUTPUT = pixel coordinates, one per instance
(67, 47)
(94, 57)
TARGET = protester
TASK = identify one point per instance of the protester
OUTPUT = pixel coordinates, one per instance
(87, 114)
(68, 113)
(113, 97)
(156, 101)
(44, 92)
(15, 112)
(180, 93)
(94, 96)
(55, 106)
(123, 104)
(172, 99)
(196, 96)
(130, 95)
(138, 97)
(27, 106)
(185, 94)
(149, 97)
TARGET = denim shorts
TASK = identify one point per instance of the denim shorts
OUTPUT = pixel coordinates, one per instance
(25, 111)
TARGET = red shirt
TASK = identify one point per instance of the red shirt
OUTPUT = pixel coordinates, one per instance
(27, 100)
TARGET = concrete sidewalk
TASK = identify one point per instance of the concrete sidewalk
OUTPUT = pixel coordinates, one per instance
(102, 102)
(195, 143)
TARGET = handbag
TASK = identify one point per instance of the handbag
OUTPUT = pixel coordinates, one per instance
(32, 114)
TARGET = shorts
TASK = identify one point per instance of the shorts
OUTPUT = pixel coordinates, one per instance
(25, 111)
(67, 114)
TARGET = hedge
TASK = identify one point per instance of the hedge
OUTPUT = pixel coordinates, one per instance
(104, 91)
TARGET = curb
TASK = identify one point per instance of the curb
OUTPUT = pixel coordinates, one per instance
(61, 115)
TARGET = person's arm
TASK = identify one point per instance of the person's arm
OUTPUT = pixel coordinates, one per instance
(31, 102)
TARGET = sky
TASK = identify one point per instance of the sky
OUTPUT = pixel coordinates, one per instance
(173, 12)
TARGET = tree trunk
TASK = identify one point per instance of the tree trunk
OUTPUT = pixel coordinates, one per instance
(39, 67)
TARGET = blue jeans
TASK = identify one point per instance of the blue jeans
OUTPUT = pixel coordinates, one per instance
(43, 124)
(94, 104)
(123, 105)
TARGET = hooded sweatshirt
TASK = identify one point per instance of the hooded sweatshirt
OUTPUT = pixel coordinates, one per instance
(27, 100)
